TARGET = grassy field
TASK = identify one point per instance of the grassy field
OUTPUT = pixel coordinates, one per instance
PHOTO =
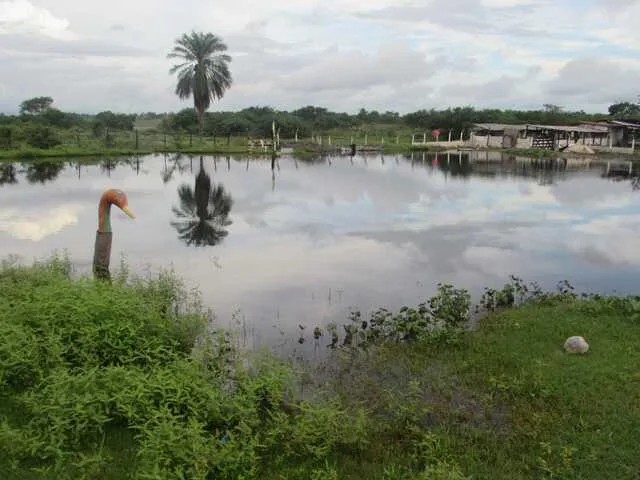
(116, 381)
(145, 139)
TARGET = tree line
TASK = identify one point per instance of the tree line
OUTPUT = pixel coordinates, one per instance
(257, 121)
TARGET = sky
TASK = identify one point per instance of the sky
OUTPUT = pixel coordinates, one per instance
(399, 55)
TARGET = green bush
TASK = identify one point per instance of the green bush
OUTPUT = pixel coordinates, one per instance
(89, 370)
(41, 137)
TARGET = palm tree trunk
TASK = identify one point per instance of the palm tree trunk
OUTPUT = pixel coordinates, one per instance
(200, 115)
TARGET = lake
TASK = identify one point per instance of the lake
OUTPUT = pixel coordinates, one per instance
(313, 239)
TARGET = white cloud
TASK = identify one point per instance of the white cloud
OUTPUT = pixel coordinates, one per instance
(341, 54)
(21, 16)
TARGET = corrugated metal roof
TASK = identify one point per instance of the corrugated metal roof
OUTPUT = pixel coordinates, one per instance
(571, 128)
(625, 124)
(498, 127)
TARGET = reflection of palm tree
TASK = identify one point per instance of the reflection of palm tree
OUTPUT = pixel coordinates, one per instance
(8, 174)
(169, 170)
(43, 172)
(203, 214)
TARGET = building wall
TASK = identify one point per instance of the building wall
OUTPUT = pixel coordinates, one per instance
(492, 141)
(524, 142)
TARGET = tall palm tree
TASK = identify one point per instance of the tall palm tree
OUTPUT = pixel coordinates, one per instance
(204, 71)
(203, 214)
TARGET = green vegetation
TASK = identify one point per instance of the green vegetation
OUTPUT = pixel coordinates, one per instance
(119, 381)
(41, 130)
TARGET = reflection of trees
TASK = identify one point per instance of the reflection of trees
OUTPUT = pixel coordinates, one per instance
(463, 165)
(135, 163)
(203, 214)
(172, 165)
(8, 174)
(109, 164)
(43, 172)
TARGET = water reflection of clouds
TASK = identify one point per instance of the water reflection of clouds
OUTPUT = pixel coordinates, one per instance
(37, 223)
(609, 241)
(383, 234)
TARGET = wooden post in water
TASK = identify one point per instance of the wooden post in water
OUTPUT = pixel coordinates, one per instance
(450, 133)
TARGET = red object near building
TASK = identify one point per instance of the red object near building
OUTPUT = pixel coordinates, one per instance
(436, 133)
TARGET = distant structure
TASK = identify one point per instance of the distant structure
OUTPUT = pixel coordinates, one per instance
(610, 136)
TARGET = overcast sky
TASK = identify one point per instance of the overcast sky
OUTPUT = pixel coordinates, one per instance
(400, 55)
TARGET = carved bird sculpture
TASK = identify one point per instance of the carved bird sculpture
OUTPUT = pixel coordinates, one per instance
(104, 235)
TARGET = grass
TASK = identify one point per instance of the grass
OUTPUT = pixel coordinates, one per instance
(118, 381)
(149, 142)
(508, 402)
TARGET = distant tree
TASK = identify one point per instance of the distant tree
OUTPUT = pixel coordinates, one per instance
(204, 72)
(36, 106)
(184, 120)
(234, 124)
(551, 108)
(624, 110)
(116, 121)
(58, 118)
(310, 113)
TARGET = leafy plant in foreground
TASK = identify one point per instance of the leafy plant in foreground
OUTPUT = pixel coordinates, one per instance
(83, 363)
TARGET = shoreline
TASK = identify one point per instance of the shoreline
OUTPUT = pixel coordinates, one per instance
(8, 156)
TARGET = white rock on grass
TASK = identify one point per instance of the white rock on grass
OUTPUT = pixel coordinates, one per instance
(576, 345)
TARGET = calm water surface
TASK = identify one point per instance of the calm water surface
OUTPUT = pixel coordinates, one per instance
(314, 239)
